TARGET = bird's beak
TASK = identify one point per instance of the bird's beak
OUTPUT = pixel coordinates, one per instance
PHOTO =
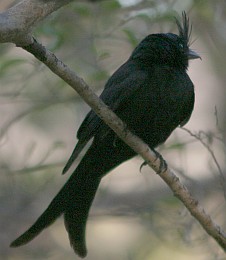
(193, 55)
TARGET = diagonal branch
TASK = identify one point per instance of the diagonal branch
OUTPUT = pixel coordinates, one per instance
(17, 22)
(154, 161)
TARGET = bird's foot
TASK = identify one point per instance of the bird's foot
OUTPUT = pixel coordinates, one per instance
(142, 165)
(163, 165)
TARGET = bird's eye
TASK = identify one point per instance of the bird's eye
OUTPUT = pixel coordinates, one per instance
(181, 45)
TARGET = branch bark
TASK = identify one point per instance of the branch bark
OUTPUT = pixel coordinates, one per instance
(17, 22)
(16, 25)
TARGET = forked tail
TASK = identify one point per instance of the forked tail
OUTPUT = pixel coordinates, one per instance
(74, 201)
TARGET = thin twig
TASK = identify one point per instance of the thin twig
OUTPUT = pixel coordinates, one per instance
(211, 152)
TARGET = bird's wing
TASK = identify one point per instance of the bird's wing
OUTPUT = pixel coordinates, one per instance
(190, 104)
(117, 90)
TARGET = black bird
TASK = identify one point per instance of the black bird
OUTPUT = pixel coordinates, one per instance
(152, 93)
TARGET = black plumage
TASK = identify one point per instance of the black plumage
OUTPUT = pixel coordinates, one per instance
(152, 93)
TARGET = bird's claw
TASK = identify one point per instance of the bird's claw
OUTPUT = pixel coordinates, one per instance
(163, 165)
(142, 165)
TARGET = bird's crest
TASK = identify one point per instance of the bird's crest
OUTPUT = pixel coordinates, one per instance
(184, 28)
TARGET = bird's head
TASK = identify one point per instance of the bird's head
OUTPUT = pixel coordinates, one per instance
(167, 48)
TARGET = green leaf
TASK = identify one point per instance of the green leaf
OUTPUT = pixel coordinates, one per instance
(110, 5)
(131, 37)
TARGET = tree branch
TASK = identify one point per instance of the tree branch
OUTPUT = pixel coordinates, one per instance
(110, 118)
(17, 22)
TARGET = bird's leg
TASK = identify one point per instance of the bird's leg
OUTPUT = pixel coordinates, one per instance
(146, 162)
(163, 165)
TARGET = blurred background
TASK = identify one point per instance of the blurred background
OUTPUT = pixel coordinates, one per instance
(134, 216)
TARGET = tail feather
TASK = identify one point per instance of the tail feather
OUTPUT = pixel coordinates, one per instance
(78, 148)
(75, 216)
(53, 211)
(74, 201)
(43, 222)
(75, 198)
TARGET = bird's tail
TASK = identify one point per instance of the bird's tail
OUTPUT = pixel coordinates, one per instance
(74, 201)
(75, 198)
